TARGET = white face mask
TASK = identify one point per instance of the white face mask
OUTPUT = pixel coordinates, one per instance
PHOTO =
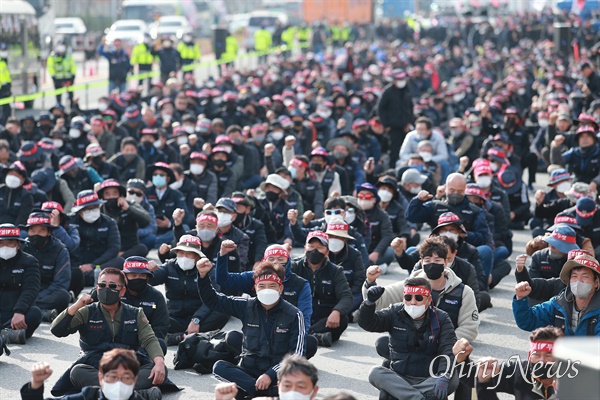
(484, 181)
(224, 219)
(385, 196)
(206, 235)
(336, 245)
(400, 84)
(451, 235)
(301, 96)
(255, 89)
(182, 140)
(324, 113)
(102, 106)
(74, 133)
(581, 289)
(157, 144)
(521, 91)
(475, 130)
(117, 391)
(426, 156)
(563, 187)
(58, 143)
(166, 117)
(495, 167)
(415, 189)
(7, 253)
(186, 263)
(277, 136)
(415, 311)
(3, 54)
(176, 185)
(366, 204)
(543, 123)
(12, 181)
(189, 129)
(350, 217)
(267, 297)
(196, 169)
(91, 216)
(134, 199)
(217, 100)
(458, 98)
(293, 395)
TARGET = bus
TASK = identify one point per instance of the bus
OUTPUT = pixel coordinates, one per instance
(198, 12)
(19, 30)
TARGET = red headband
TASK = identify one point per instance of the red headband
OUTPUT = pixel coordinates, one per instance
(541, 347)
(588, 263)
(46, 146)
(417, 290)
(276, 252)
(565, 219)
(584, 214)
(38, 221)
(299, 162)
(30, 152)
(564, 238)
(207, 217)
(135, 265)
(337, 227)
(268, 278)
(86, 199)
(68, 164)
(10, 232)
(52, 205)
(576, 253)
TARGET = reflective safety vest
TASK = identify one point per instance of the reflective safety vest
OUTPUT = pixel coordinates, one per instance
(61, 67)
(304, 34)
(189, 53)
(142, 55)
(288, 36)
(262, 40)
(336, 33)
(4, 73)
(345, 33)
(231, 48)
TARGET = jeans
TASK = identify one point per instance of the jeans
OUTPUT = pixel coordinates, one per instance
(251, 182)
(166, 237)
(112, 85)
(500, 254)
(149, 241)
(388, 257)
(487, 259)
(445, 170)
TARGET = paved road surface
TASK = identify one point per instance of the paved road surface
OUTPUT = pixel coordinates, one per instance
(344, 366)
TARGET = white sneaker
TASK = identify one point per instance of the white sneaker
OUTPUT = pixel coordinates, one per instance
(384, 268)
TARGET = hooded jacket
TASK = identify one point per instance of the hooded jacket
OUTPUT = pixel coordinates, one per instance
(467, 324)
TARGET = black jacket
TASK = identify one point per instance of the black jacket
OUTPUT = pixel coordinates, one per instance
(396, 213)
(206, 185)
(128, 222)
(100, 241)
(258, 238)
(511, 381)
(395, 107)
(165, 206)
(312, 195)
(78, 182)
(412, 350)
(19, 283)
(87, 393)
(268, 335)
(542, 266)
(354, 270)
(381, 230)
(329, 286)
(15, 205)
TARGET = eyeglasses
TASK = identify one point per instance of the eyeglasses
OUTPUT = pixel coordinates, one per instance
(112, 285)
(409, 297)
(133, 192)
(365, 196)
(127, 379)
(334, 212)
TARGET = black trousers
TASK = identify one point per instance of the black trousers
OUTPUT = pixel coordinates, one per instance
(214, 322)
(59, 83)
(234, 340)
(33, 319)
(319, 320)
(59, 300)
(397, 136)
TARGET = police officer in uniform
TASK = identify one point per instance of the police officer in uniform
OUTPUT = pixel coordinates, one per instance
(55, 265)
(62, 69)
(189, 51)
(5, 84)
(19, 287)
(262, 42)
(141, 55)
(231, 50)
(105, 325)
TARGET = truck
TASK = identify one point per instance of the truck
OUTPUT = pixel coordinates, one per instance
(353, 11)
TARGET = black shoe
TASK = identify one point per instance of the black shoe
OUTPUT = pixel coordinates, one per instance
(325, 339)
(173, 339)
(153, 393)
(49, 315)
(13, 336)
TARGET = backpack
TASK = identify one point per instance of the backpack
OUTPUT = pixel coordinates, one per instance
(201, 351)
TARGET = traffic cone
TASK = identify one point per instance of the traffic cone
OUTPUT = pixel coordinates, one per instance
(91, 71)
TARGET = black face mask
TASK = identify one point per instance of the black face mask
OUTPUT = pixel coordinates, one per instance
(112, 204)
(129, 157)
(272, 196)
(315, 256)
(46, 128)
(587, 150)
(240, 217)
(148, 145)
(433, 271)
(97, 160)
(219, 163)
(317, 167)
(510, 124)
(298, 125)
(108, 297)
(38, 241)
(137, 285)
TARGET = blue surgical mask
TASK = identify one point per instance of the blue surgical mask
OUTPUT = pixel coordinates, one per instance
(159, 181)
(293, 172)
(418, 167)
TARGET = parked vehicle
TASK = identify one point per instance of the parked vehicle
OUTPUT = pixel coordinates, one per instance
(69, 26)
(130, 31)
(259, 19)
(172, 25)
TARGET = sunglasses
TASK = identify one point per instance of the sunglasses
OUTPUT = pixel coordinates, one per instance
(133, 192)
(112, 285)
(409, 297)
(334, 212)
(366, 196)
